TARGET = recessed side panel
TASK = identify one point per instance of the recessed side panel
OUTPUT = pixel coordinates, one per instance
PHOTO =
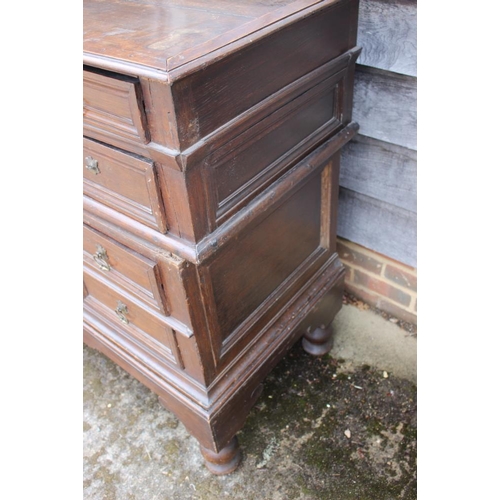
(248, 163)
(210, 98)
(256, 273)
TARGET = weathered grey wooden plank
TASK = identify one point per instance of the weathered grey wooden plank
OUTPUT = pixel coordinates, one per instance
(387, 31)
(381, 170)
(385, 106)
(382, 227)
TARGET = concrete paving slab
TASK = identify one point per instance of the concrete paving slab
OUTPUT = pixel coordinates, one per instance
(323, 428)
(364, 337)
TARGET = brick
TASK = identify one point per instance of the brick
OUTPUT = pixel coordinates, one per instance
(365, 296)
(381, 288)
(348, 272)
(397, 311)
(356, 258)
(401, 277)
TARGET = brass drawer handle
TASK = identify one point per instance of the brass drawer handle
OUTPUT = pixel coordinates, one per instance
(120, 311)
(101, 258)
(92, 164)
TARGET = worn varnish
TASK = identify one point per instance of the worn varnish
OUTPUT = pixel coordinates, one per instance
(211, 169)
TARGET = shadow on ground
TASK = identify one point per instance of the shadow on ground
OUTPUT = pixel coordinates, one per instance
(317, 432)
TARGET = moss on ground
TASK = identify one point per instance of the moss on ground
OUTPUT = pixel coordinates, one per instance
(317, 432)
(311, 405)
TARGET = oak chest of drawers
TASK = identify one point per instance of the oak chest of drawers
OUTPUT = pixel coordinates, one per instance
(210, 161)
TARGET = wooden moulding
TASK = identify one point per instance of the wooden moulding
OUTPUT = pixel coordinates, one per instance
(285, 185)
(113, 111)
(161, 133)
(196, 153)
(245, 165)
(188, 193)
(177, 66)
(213, 402)
(129, 269)
(204, 100)
(108, 220)
(257, 268)
(124, 182)
(210, 234)
(214, 415)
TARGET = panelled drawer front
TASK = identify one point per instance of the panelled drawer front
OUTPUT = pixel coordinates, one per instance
(129, 270)
(128, 313)
(113, 110)
(123, 182)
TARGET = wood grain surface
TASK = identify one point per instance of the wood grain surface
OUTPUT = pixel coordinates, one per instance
(211, 179)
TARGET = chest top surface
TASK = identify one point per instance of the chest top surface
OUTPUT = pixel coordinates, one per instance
(166, 34)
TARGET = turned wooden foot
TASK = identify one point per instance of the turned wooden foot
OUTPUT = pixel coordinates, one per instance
(224, 462)
(319, 341)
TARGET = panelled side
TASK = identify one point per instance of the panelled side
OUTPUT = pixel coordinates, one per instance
(208, 99)
(253, 276)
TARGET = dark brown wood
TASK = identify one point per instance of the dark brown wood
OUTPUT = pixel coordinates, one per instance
(211, 166)
(318, 341)
(225, 461)
(124, 182)
(205, 100)
(130, 270)
(113, 110)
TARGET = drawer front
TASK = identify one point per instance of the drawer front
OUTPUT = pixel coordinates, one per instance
(124, 182)
(129, 270)
(113, 110)
(129, 314)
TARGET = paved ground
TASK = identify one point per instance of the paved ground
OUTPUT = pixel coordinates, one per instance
(338, 427)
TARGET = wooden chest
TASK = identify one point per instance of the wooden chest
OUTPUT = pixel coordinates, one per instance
(211, 146)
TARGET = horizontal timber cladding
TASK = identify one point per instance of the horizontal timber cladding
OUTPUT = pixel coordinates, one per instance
(388, 34)
(380, 170)
(378, 177)
(380, 226)
(385, 106)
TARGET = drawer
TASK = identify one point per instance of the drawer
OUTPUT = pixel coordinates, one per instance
(126, 312)
(129, 270)
(113, 110)
(124, 182)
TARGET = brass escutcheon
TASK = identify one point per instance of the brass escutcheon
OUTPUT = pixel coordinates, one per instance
(92, 164)
(120, 311)
(101, 258)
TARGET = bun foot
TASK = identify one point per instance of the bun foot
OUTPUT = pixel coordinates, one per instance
(318, 342)
(224, 462)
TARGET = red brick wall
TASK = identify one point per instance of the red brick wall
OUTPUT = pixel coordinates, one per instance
(380, 281)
